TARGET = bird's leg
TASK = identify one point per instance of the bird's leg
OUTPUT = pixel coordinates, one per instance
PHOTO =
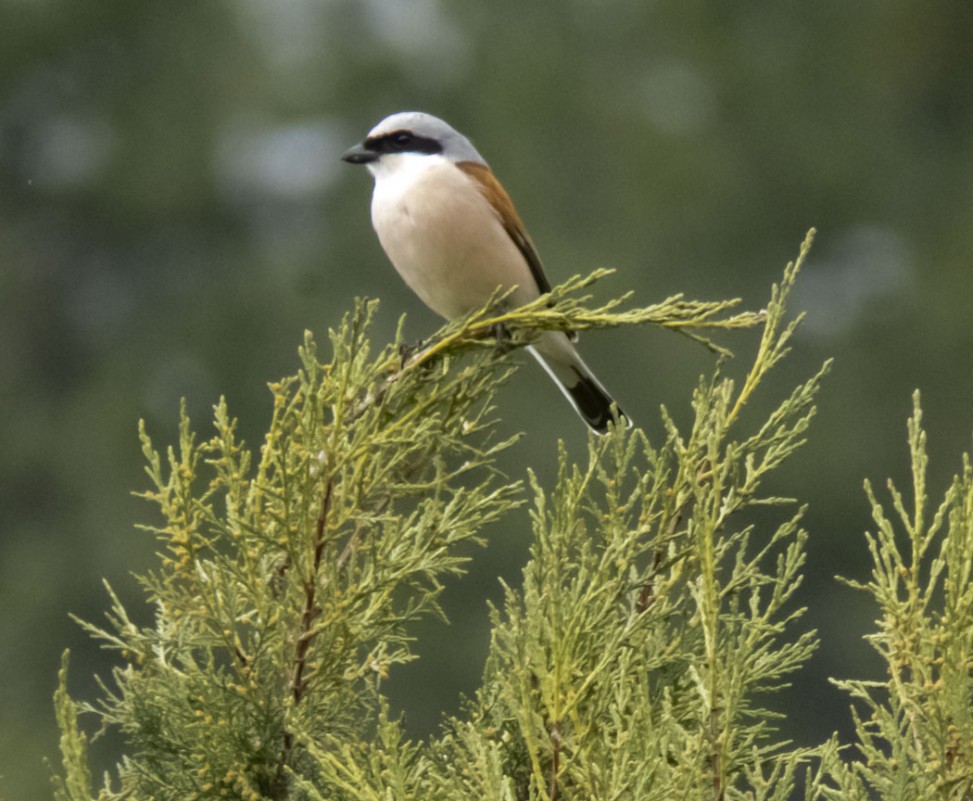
(503, 337)
(406, 351)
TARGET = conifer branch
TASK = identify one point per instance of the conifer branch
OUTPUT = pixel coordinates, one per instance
(776, 336)
(74, 783)
(655, 616)
(915, 729)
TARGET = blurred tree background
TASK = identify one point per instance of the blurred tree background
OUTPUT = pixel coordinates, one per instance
(173, 215)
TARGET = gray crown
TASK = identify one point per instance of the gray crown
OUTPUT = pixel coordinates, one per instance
(456, 147)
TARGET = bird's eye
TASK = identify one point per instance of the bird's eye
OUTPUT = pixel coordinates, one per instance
(402, 139)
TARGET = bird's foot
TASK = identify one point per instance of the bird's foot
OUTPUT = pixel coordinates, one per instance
(504, 340)
(407, 351)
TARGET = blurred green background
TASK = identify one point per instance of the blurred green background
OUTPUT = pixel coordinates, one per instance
(174, 214)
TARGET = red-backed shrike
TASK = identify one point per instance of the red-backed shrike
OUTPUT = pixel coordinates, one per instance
(451, 231)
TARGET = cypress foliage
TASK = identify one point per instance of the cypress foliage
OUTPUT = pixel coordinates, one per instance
(636, 659)
(915, 728)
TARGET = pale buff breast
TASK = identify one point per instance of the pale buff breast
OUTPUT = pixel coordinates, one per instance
(444, 237)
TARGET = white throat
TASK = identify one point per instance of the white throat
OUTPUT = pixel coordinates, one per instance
(396, 168)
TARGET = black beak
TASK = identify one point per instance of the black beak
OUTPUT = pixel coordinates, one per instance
(359, 155)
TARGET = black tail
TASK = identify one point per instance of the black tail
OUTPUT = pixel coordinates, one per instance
(596, 407)
(558, 356)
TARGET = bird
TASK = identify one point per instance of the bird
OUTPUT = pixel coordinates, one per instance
(452, 233)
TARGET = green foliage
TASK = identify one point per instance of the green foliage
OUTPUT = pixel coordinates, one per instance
(646, 625)
(915, 729)
(285, 590)
(638, 657)
(75, 785)
(650, 619)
